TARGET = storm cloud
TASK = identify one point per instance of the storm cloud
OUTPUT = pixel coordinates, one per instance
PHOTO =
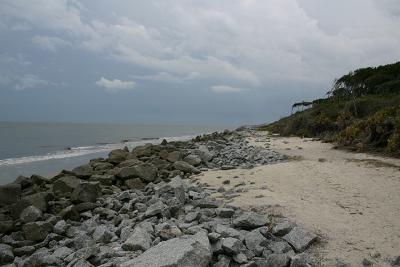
(247, 60)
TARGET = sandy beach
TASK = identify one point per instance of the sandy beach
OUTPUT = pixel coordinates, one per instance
(350, 199)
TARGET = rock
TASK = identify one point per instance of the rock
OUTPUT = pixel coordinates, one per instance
(223, 261)
(6, 254)
(174, 156)
(299, 238)
(193, 160)
(135, 183)
(69, 213)
(185, 251)
(22, 251)
(80, 263)
(142, 151)
(250, 220)
(301, 260)
(147, 172)
(191, 216)
(167, 231)
(185, 167)
(207, 203)
(84, 171)
(396, 261)
(60, 227)
(86, 192)
(240, 258)
(155, 209)
(31, 214)
(366, 262)
(253, 241)
(39, 200)
(139, 240)
(280, 247)
(65, 185)
(282, 228)
(232, 245)
(225, 212)
(117, 156)
(102, 166)
(277, 260)
(10, 193)
(62, 252)
(25, 182)
(6, 226)
(37, 231)
(102, 235)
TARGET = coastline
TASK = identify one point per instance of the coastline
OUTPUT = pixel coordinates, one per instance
(225, 177)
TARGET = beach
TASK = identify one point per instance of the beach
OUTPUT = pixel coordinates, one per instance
(350, 199)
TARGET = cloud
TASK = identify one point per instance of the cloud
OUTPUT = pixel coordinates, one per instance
(29, 81)
(226, 89)
(49, 43)
(113, 86)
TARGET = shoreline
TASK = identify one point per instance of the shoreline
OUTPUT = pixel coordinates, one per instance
(126, 209)
(224, 177)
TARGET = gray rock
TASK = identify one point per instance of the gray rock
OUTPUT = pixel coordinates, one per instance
(207, 203)
(225, 212)
(147, 172)
(225, 231)
(6, 226)
(102, 235)
(300, 239)
(174, 156)
(62, 252)
(193, 160)
(80, 263)
(86, 192)
(253, 241)
(277, 260)
(10, 193)
(139, 240)
(22, 251)
(84, 171)
(167, 230)
(185, 167)
(191, 216)
(135, 183)
(396, 261)
(117, 156)
(31, 214)
(232, 245)
(282, 228)
(6, 254)
(127, 173)
(280, 247)
(240, 258)
(155, 209)
(185, 251)
(301, 260)
(65, 185)
(39, 200)
(250, 220)
(37, 231)
(223, 261)
(60, 227)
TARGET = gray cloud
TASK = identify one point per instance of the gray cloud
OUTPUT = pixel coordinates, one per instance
(29, 81)
(113, 86)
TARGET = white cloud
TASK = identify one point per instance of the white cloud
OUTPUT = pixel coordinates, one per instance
(49, 43)
(29, 81)
(226, 89)
(113, 86)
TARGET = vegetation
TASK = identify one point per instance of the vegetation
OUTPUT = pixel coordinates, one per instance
(361, 111)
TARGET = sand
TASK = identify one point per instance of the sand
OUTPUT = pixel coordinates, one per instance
(352, 200)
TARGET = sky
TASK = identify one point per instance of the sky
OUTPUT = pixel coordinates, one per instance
(183, 61)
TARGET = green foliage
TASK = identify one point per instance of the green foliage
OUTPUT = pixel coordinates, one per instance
(362, 111)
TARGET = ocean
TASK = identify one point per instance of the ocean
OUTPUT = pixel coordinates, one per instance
(47, 148)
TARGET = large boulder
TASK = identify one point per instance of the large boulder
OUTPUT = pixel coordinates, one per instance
(185, 251)
(193, 160)
(174, 156)
(84, 171)
(145, 171)
(135, 183)
(185, 167)
(10, 193)
(300, 239)
(250, 220)
(86, 192)
(65, 185)
(117, 156)
(37, 231)
(39, 200)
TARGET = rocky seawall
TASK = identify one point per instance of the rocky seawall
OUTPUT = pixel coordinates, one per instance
(140, 208)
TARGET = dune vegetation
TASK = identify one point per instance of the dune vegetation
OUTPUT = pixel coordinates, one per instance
(361, 112)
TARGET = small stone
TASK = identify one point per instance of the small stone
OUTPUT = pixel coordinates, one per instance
(86, 192)
(396, 261)
(6, 254)
(282, 228)
(22, 251)
(139, 240)
(300, 239)
(240, 258)
(155, 209)
(277, 260)
(366, 262)
(225, 212)
(226, 182)
(232, 245)
(102, 235)
(250, 220)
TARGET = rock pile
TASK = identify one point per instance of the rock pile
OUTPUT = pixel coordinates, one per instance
(134, 209)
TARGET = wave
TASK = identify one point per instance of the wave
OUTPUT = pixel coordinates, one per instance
(86, 150)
